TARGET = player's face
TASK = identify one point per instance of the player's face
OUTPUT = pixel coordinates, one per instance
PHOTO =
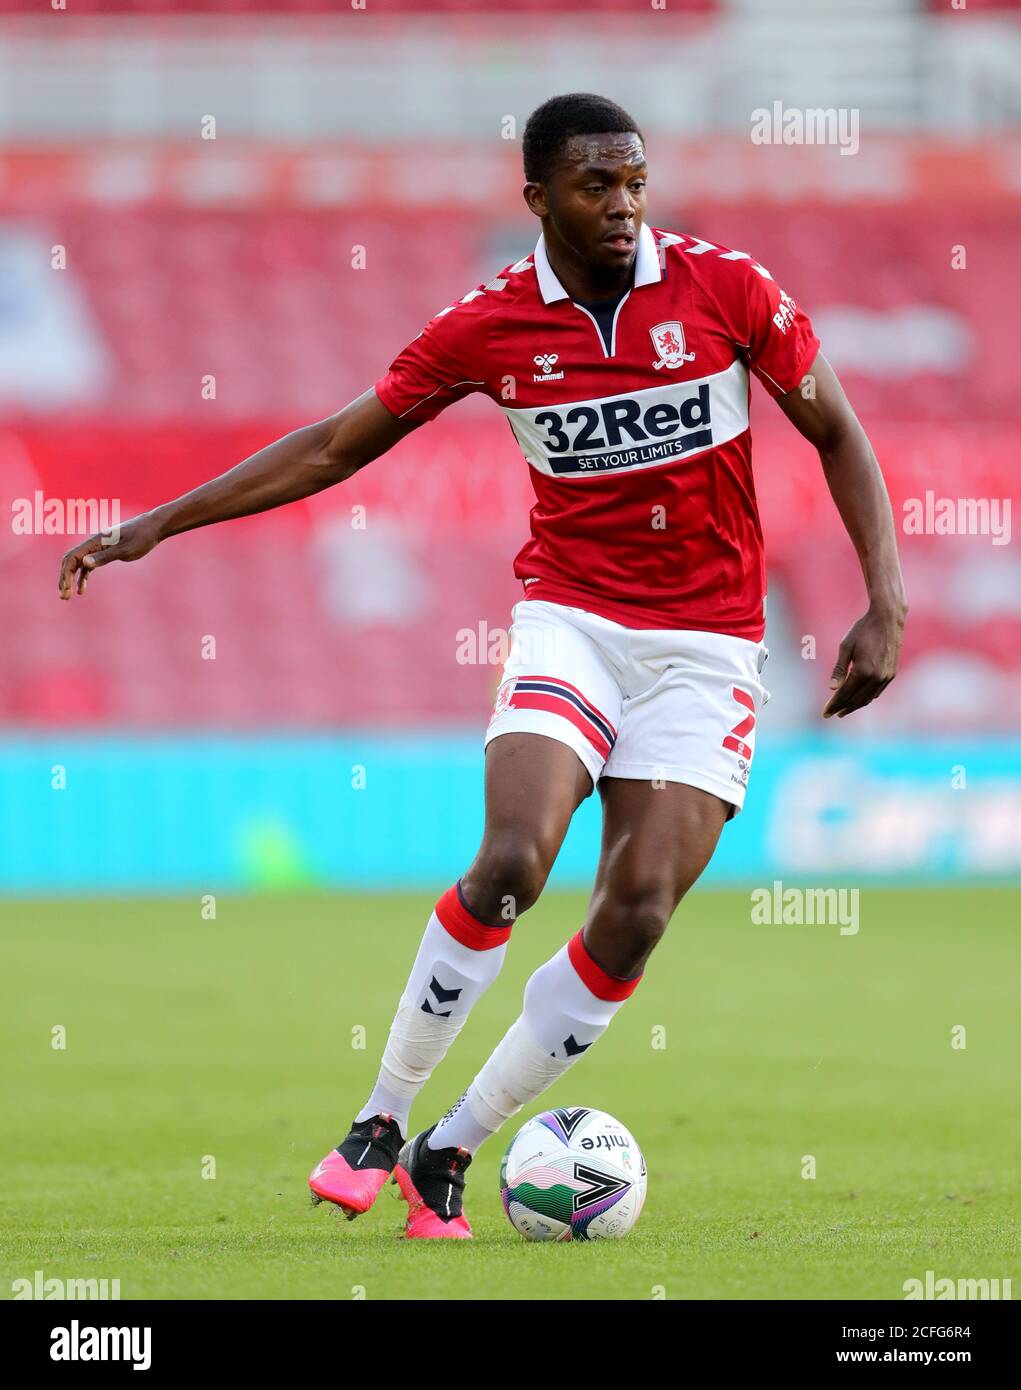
(595, 200)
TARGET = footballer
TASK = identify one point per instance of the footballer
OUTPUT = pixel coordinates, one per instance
(621, 355)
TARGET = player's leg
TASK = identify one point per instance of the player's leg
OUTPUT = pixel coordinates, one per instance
(558, 684)
(546, 744)
(545, 747)
(533, 785)
(657, 839)
(677, 772)
(532, 788)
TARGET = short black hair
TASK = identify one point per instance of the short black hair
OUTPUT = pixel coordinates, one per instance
(555, 121)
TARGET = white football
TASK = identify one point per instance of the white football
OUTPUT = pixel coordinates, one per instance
(573, 1174)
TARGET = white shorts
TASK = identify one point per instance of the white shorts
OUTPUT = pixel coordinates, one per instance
(671, 705)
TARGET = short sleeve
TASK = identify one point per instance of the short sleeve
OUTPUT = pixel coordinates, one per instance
(442, 365)
(762, 321)
(781, 344)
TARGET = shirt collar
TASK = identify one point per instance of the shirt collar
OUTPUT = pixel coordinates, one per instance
(647, 268)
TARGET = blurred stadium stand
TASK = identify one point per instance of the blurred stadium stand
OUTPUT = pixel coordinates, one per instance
(232, 258)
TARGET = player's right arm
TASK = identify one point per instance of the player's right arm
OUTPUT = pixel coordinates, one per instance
(302, 463)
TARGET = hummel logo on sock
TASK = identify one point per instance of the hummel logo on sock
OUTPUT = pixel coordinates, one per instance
(443, 996)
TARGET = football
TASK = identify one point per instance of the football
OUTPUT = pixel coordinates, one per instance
(573, 1174)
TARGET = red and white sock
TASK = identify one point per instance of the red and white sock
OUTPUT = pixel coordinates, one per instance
(569, 1003)
(458, 960)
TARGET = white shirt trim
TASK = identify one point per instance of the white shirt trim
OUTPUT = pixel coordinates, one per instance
(647, 267)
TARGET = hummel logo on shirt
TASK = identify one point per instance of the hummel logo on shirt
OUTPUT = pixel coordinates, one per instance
(547, 361)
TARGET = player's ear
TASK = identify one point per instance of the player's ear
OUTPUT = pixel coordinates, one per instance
(534, 195)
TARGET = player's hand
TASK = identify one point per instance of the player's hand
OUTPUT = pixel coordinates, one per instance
(866, 662)
(134, 539)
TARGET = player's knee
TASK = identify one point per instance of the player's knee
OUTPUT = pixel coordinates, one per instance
(642, 909)
(625, 931)
(508, 876)
(648, 923)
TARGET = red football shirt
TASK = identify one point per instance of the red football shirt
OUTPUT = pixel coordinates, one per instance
(639, 448)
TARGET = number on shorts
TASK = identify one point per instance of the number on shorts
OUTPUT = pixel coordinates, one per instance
(735, 739)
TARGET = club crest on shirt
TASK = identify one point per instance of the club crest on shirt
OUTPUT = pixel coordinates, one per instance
(503, 697)
(668, 340)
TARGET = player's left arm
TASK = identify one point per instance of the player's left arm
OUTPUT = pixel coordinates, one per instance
(868, 655)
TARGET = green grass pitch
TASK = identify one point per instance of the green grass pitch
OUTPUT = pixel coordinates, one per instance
(235, 1039)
